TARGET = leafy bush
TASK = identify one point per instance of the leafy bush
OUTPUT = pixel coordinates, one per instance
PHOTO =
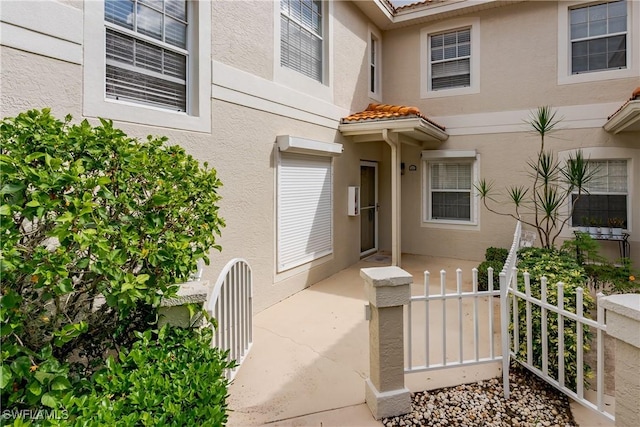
(96, 228)
(556, 267)
(172, 378)
(604, 276)
(496, 254)
(494, 258)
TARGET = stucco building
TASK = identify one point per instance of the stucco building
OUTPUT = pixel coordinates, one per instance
(275, 95)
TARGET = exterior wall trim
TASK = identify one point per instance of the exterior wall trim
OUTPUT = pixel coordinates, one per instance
(52, 29)
(575, 117)
(248, 90)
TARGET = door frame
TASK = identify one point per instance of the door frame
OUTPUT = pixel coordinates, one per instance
(375, 209)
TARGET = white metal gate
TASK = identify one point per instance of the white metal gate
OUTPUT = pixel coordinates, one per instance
(231, 305)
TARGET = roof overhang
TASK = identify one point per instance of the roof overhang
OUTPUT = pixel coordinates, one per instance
(627, 119)
(386, 18)
(414, 131)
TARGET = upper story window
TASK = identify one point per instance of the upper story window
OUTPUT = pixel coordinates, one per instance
(606, 195)
(598, 40)
(375, 64)
(147, 57)
(450, 58)
(598, 37)
(148, 62)
(301, 37)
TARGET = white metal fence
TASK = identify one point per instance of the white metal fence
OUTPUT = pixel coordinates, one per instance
(422, 338)
(451, 306)
(563, 316)
(231, 305)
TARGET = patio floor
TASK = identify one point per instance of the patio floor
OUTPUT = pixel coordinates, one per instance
(310, 354)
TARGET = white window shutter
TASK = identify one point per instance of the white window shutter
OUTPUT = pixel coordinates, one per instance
(304, 209)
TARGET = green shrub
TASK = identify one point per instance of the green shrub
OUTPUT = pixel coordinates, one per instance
(169, 378)
(496, 254)
(483, 274)
(556, 267)
(604, 276)
(494, 258)
(88, 212)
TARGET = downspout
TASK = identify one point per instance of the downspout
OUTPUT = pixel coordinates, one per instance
(394, 142)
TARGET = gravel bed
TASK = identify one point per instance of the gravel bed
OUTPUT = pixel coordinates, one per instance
(532, 403)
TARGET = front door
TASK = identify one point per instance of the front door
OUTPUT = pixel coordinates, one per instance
(368, 208)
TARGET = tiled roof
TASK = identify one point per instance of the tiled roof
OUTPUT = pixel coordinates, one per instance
(419, 3)
(635, 95)
(377, 112)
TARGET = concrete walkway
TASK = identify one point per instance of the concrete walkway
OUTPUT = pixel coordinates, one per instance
(310, 354)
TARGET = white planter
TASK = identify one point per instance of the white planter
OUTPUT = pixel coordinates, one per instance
(616, 231)
(593, 231)
(605, 232)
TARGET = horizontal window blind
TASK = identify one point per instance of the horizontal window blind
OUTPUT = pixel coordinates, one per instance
(301, 37)
(304, 209)
(450, 188)
(450, 55)
(146, 56)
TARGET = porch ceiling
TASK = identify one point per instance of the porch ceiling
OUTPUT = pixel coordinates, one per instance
(408, 123)
(627, 118)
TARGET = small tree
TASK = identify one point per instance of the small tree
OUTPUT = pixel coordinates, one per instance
(540, 205)
(95, 226)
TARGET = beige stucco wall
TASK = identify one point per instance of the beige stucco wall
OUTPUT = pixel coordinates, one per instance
(503, 160)
(518, 72)
(243, 35)
(518, 66)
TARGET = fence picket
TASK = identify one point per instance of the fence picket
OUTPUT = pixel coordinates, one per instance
(544, 335)
(461, 334)
(560, 287)
(580, 345)
(527, 287)
(476, 332)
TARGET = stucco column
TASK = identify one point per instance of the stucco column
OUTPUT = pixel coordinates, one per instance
(623, 323)
(175, 311)
(388, 290)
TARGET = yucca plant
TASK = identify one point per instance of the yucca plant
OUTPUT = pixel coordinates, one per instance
(540, 204)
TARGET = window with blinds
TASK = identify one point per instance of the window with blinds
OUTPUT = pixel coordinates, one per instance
(450, 185)
(146, 52)
(450, 59)
(301, 42)
(305, 209)
(599, 37)
(605, 197)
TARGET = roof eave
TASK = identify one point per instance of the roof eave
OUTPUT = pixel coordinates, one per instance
(627, 119)
(385, 18)
(414, 128)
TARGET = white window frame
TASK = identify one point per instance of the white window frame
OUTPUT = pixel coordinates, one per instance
(425, 58)
(614, 193)
(430, 157)
(631, 156)
(565, 75)
(298, 81)
(374, 40)
(281, 265)
(95, 102)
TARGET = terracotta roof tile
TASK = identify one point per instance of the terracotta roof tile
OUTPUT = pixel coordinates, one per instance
(375, 112)
(418, 3)
(635, 95)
